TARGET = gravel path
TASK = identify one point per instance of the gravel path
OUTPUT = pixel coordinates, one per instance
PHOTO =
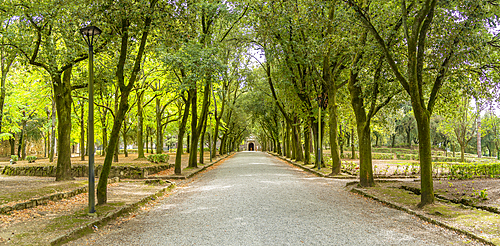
(256, 199)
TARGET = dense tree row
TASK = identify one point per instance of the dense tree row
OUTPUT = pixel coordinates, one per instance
(178, 74)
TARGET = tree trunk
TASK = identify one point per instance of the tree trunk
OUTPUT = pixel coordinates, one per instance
(12, 142)
(62, 95)
(104, 133)
(125, 91)
(353, 150)
(140, 124)
(117, 147)
(215, 137)
(19, 145)
(112, 147)
(293, 141)
(202, 142)
(365, 156)
(222, 144)
(462, 152)
(159, 130)
(23, 141)
(53, 131)
(424, 147)
(82, 132)
(307, 144)
(188, 140)
(147, 139)
(124, 136)
(333, 119)
(299, 156)
(194, 133)
(180, 137)
(288, 153)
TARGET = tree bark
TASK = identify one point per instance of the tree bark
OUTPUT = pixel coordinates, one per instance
(53, 130)
(62, 95)
(202, 141)
(180, 137)
(353, 150)
(424, 146)
(124, 136)
(307, 144)
(365, 156)
(197, 124)
(159, 130)
(22, 144)
(299, 156)
(140, 126)
(12, 142)
(125, 91)
(82, 132)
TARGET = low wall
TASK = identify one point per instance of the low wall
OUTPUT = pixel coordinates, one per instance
(127, 172)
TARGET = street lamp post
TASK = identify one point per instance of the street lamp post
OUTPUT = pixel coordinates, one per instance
(88, 34)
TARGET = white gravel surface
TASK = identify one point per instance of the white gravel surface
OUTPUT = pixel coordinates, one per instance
(256, 199)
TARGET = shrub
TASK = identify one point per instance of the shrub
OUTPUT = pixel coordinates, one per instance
(31, 159)
(158, 158)
(13, 159)
(382, 156)
(470, 171)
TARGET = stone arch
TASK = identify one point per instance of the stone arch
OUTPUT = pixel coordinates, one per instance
(251, 147)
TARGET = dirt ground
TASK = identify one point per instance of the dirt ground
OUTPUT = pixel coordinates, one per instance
(468, 189)
(39, 225)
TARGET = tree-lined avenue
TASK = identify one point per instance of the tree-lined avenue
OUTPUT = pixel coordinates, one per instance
(255, 199)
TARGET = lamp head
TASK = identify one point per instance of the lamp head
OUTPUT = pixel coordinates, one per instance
(89, 33)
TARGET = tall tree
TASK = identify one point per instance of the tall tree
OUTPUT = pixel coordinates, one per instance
(125, 88)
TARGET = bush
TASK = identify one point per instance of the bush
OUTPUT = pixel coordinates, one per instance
(382, 150)
(470, 171)
(446, 159)
(13, 159)
(158, 158)
(382, 156)
(407, 157)
(31, 159)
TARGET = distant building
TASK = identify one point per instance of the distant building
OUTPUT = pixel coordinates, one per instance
(251, 144)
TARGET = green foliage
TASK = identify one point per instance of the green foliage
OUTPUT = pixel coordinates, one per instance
(382, 156)
(471, 171)
(14, 158)
(158, 158)
(31, 159)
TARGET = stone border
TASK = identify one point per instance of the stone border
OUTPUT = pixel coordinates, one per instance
(422, 217)
(79, 232)
(191, 173)
(310, 169)
(4, 209)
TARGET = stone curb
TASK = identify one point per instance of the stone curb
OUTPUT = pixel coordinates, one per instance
(77, 233)
(190, 175)
(4, 209)
(310, 169)
(422, 217)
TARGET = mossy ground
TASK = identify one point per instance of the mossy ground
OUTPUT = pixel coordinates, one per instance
(38, 188)
(482, 223)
